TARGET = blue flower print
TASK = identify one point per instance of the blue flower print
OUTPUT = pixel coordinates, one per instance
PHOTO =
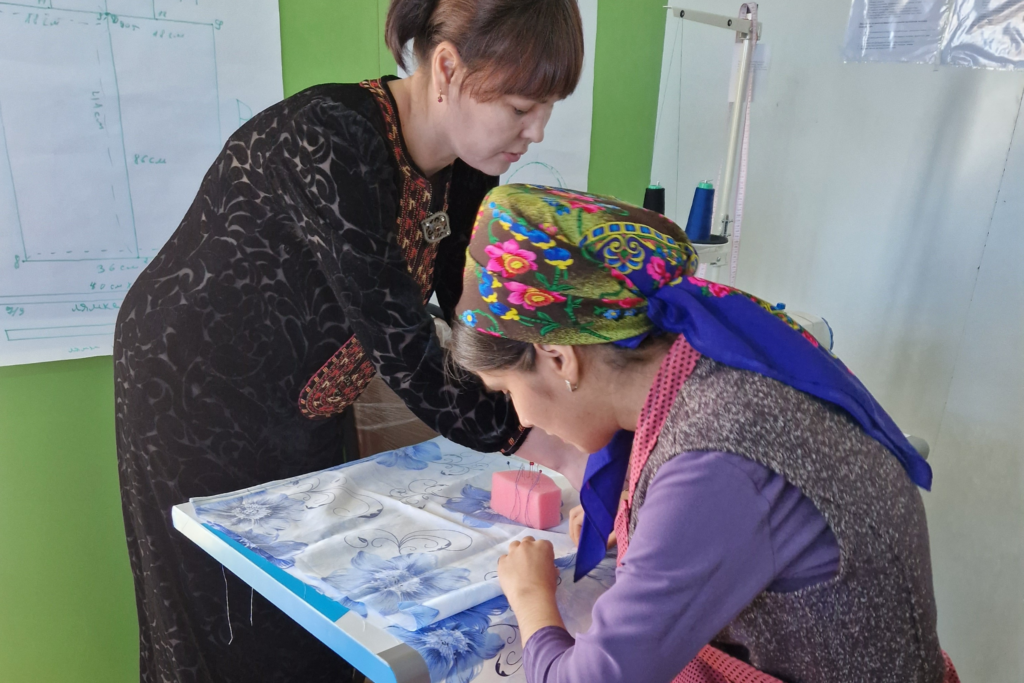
(480, 616)
(411, 457)
(487, 290)
(263, 513)
(469, 317)
(421, 614)
(278, 553)
(560, 208)
(504, 312)
(538, 237)
(518, 231)
(558, 257)
(385, 584)
(612, 314)
(454, 649)
(500, 215)
(475, 506)
(354, 605)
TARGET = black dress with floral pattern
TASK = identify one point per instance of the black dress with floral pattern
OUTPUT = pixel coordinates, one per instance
(235, 352)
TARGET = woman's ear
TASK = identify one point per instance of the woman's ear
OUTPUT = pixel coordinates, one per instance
(563, 361)
(444, 64)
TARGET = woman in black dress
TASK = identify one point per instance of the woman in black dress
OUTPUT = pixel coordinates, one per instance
(302, 269)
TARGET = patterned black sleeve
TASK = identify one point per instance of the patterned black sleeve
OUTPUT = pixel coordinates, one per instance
(337, 180)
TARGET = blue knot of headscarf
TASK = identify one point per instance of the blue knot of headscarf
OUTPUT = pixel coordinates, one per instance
(733, 328)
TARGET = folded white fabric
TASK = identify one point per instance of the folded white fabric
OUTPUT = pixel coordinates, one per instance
(407, 535)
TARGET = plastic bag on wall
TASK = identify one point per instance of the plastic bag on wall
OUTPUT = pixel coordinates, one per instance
(895, 30)
(986, 34)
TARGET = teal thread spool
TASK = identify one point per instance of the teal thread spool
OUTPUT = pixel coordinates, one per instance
(698, 224)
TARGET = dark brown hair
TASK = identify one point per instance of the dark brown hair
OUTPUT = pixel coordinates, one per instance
(476, 352)
(531, 48)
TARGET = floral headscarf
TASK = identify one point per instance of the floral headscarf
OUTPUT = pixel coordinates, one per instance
(556, 266)
(552, 265)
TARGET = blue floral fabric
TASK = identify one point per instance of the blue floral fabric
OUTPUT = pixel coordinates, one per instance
(483, 644)
(406, 538)
(475, 506)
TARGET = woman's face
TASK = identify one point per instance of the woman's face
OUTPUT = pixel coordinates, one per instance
(584, 417)
(491, 136)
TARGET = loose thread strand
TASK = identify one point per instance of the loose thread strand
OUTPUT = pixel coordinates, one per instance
(227, 605)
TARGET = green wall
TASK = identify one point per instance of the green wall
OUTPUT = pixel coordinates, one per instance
(627, 71)
(67, 613)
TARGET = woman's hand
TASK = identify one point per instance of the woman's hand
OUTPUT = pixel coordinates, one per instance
(528, 577)
(528, 569)
(576, 526)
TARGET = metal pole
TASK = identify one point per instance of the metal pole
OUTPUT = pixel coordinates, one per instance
(724, 198)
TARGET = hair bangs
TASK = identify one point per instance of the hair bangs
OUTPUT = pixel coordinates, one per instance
(537, 55)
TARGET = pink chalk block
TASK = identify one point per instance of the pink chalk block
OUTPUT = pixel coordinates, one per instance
(528, 498)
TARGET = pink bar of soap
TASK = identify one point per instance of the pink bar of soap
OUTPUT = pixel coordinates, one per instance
(528, 498)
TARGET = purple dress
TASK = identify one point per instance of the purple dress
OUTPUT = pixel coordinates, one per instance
(716, 529)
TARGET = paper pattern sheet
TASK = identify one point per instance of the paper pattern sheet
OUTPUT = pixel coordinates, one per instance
(563, 158)
(111, 111)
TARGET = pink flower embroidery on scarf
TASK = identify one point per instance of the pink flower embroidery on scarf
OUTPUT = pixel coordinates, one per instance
(719, 290)
(509, 260)
(628, 302)
(586, 206)
(531, 298)
(658, 271)
(715, 289)
(621, 277)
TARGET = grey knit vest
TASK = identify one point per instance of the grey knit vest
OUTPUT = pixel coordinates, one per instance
(875, 621)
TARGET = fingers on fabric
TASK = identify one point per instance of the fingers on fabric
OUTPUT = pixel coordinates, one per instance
(576, 523)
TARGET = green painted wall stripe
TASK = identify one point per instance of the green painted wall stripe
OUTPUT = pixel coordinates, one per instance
(627, 73)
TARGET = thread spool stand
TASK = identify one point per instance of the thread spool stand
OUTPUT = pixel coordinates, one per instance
(718, 250)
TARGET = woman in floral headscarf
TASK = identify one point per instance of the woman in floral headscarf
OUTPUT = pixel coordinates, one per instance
(771, 504)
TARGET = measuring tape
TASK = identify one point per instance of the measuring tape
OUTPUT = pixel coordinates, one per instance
(741, 183)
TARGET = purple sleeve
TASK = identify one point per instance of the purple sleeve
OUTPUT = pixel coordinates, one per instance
(701, 552)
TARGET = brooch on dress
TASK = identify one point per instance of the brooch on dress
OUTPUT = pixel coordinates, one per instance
(436, 227)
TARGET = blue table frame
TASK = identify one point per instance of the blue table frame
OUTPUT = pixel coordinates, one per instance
(373, 651)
